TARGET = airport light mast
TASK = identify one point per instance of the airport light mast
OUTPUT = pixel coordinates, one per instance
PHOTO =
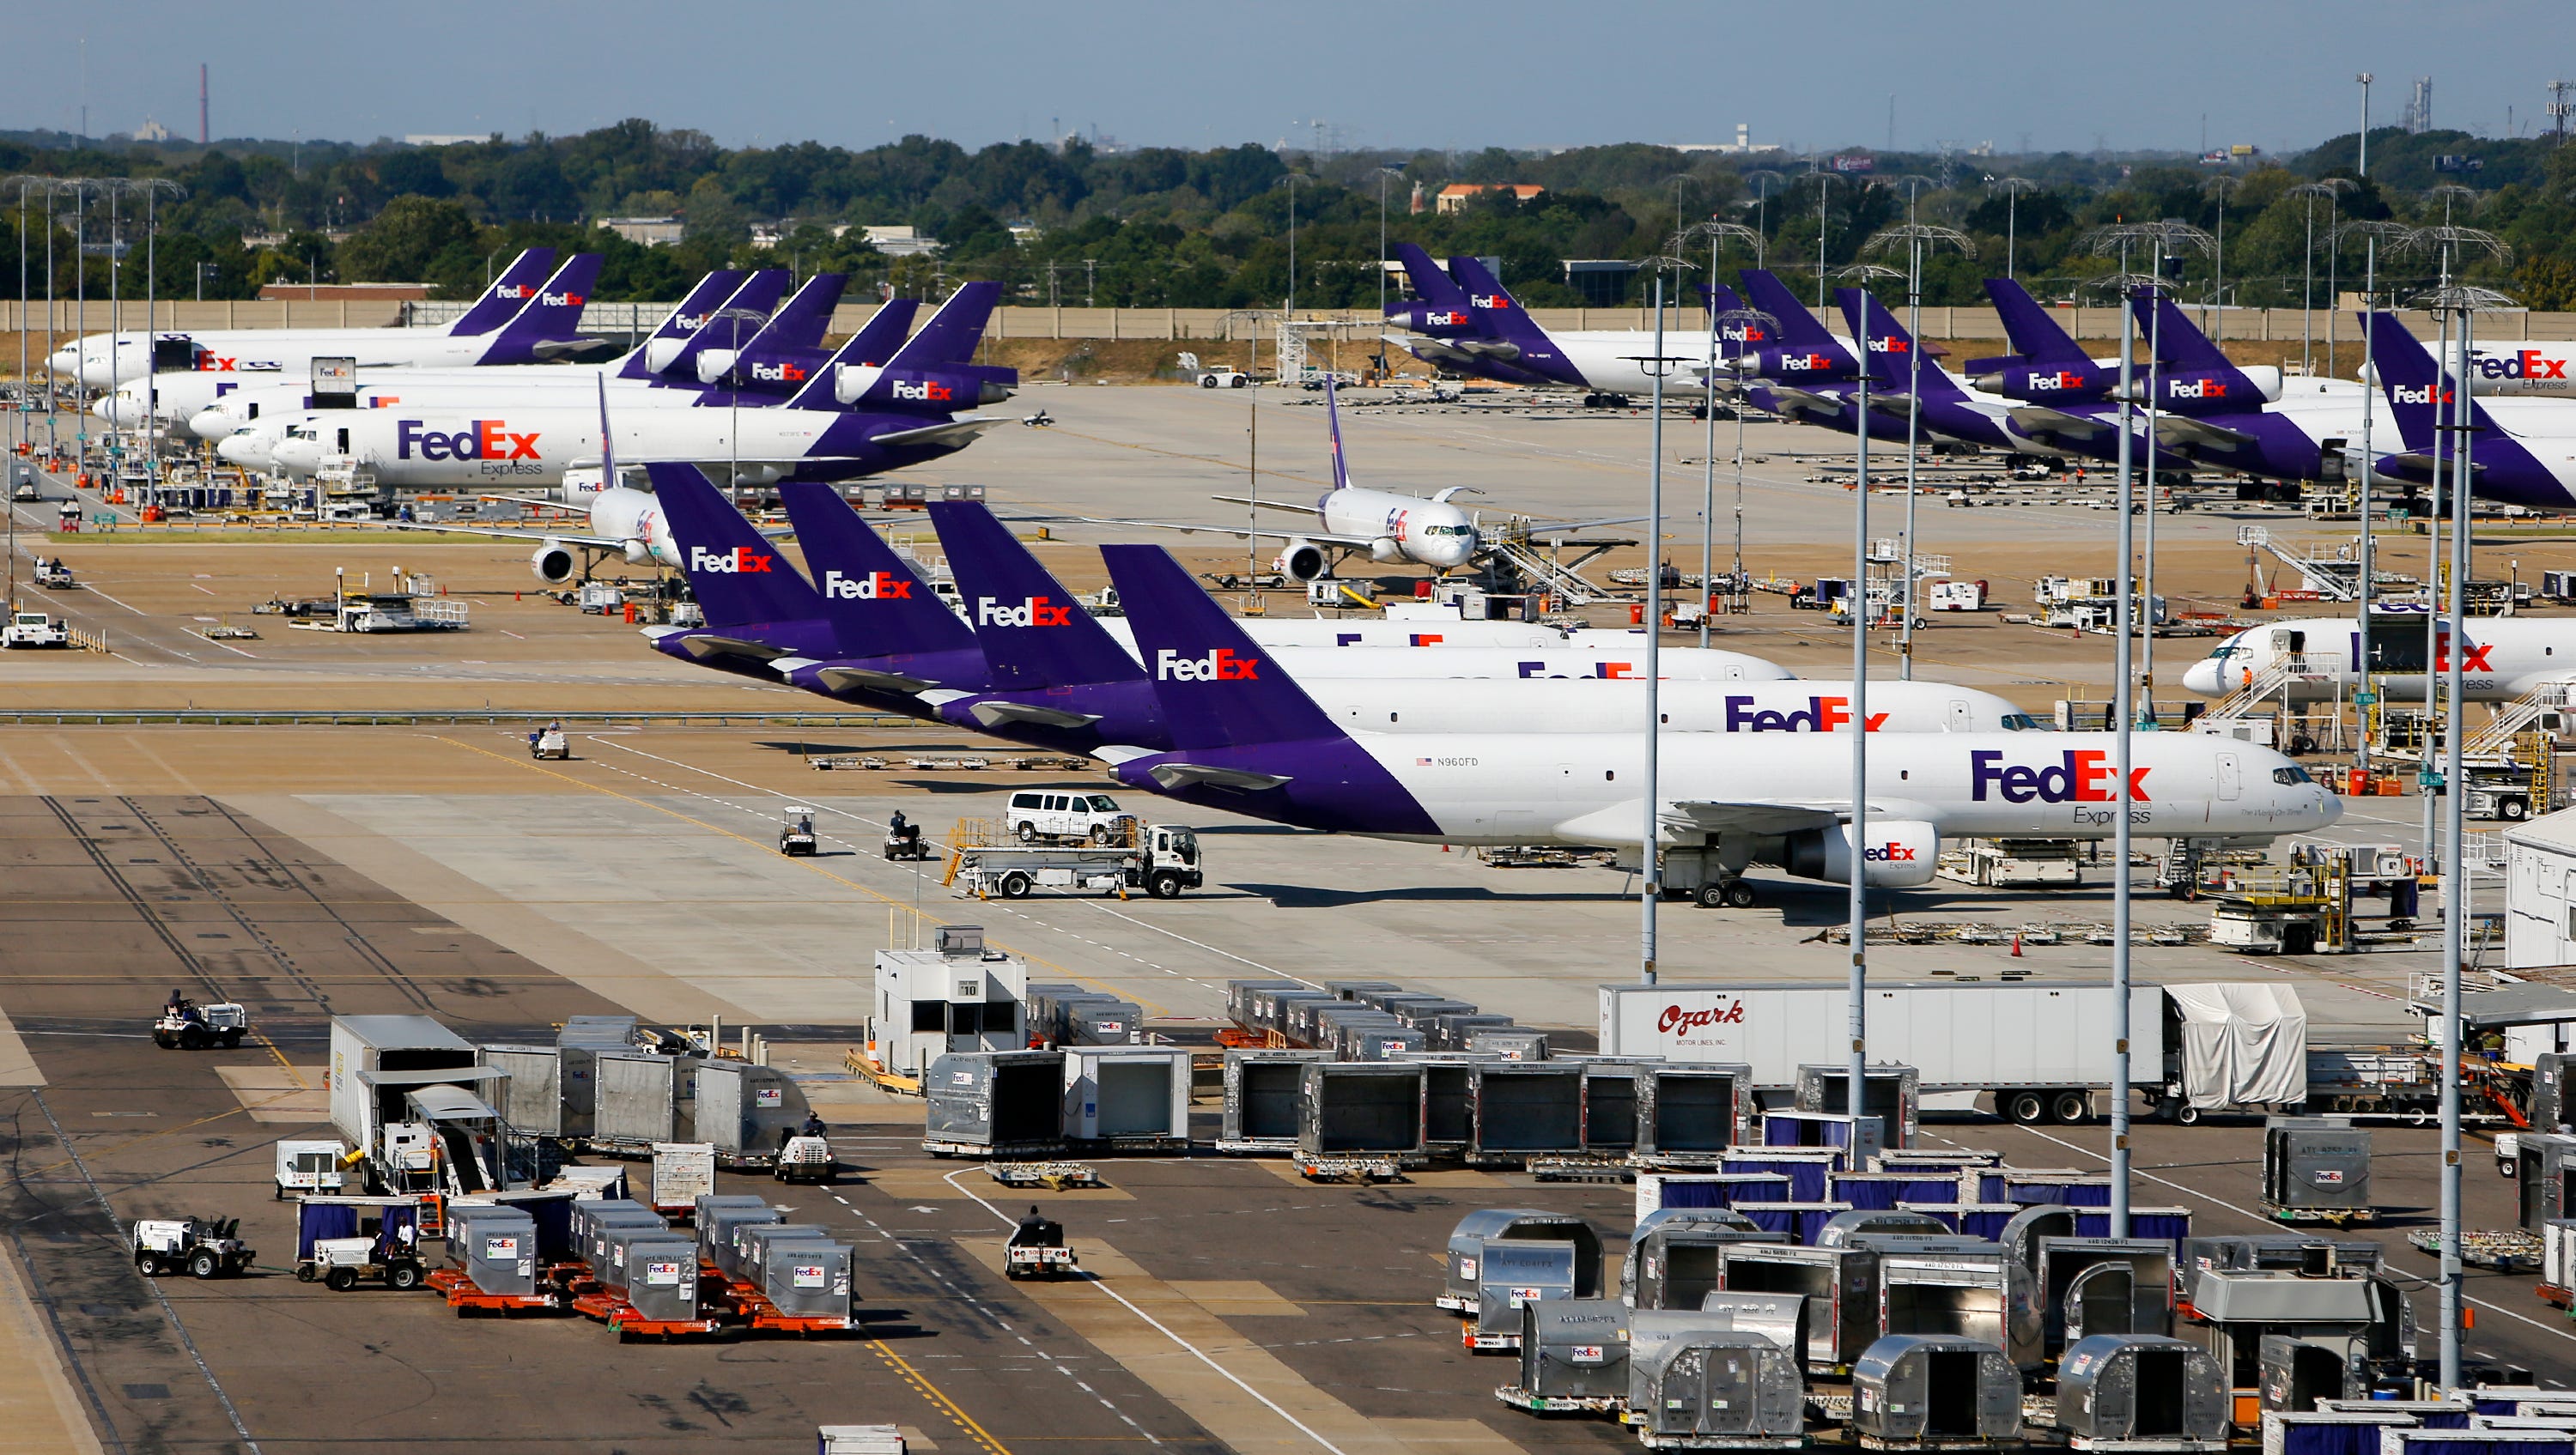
(1649, 855)
(2367, 695)
(1717, 234)
(1914, 237)
(1855, 1093)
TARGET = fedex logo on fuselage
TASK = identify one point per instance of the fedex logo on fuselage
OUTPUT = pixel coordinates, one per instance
(2473, 659)
(2195, 389)
(925, 392)
(481, 439)
(214, 364)
(1221, 665)
(2080, 776)
(777, 373)
(1028, 611)
(2529, 364)
(1490, 302)
(740, 561)
(874, 586)
(2419, 394)
(1613, 671)
(1820, 715)
(2052, 383)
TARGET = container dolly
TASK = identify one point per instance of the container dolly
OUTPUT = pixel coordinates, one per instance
(464, 1297)
(1054, 1176)
(1316, 1168)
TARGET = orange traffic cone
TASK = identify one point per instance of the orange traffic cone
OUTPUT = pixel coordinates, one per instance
(2016, 954)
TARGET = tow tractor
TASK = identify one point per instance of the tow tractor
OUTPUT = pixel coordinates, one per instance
(338, 1245)
(805, 1159)
(1160, 859)
(34, 629)
(200, 1247)
(903, 840)
(549, 742)
(1037, 1250)
(796, 835)
(186, 1024)
(55, 574)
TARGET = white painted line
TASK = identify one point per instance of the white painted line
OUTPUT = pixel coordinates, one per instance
(94, 591)
(210, 641)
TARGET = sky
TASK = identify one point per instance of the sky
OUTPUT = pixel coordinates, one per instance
(2176, 75)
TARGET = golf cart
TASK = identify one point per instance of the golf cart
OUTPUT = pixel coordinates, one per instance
(1037, 1250)
(184, 1023)
(200, 1247)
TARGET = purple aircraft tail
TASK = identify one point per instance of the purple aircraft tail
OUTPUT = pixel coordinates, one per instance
(875, 343)
(2035, 336)
(759, 293)
(876, 604)
(738, 575)
(1333, 427)
(952, 334)
(801, 321)
(1430, 284)
(1034, 634)
(1217, 687)
(550, 323)
(1890, 347)
(1496, 312)
(713, 289)
(1798, 328)
(508, 294)
(2418, 391)
(2179, 342)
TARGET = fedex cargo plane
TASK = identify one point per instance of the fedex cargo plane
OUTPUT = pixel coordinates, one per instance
(1250, 740)
(523, 317)
(1610, 365)
(2522, 450)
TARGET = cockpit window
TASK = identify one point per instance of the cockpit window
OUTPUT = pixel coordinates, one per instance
(2290, 775)
(2020, 722)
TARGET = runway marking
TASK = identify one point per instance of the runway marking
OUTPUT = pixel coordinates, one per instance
(227, 646)
(2267, 1222)
(94, 591)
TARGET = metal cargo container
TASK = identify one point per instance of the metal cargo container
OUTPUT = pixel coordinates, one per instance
(2546, 1166)
(591, 1220)
(1358, 989)
(1453, 1032)
(858, 1440)
(2079, 1286)
(1512, 1044)
(2553, 1100)
(1967, 1219)
(599, 1032)
(2558, 1253)
(995, 1103)
(1704, 1388)
(1103, 1020)
(1610, 1108)
(1923, 1391)
(1467, 1241)
(1853, 1223)
(1858, 1138)
(747, 1112)
(1689, 1115)
(1802, 1222)
(807, 1279)
(496, 1246)
(1372, 1107)
(749, 1252)
(1840, 1286)
(1894, 1095)
(616, 1264)
(1423, 1012)
(1240, 994)
(376, 1059)
(2475, 1441)
(2315, 1165)
(1945, 1285)
(1261, 1099)
(2142, 1392)
(1307, 1015)
(1525, 1109)
(1707, 1189)
(1448, 1099)
(1679, 1262)
(1779, 1317)
(1516, 1272)
(1135, 1097)
(1275, 1010)
(1382, 1039)
(1574, 1349)
(716, 1226)
(659, 1277)
(636, 1095)
(531, 1101)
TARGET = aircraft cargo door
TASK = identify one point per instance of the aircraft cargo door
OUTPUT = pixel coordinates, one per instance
(2231, 778)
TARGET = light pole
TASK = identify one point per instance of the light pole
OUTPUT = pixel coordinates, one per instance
(1824, 183)
(734, 319)
(1649, 856)
(2012, 188)
(2361, 158)
(2309, 192)
(2367, 695)
(1290, 182)
(153, 189)
(1717, 233)
(2335, 187)
(1857, 1069)
(1763, 179)
(2220, 188)
(1914, 237)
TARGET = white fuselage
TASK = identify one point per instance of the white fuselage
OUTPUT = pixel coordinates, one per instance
(1617, 361)
(1581, 788)
(1432, 533)
(440, 448)
(1305, 658)
(2506, 657)
(1557, 705)
(264, 355)
(2512, 368)
(214, 406)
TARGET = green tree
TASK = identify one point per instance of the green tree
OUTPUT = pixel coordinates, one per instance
(405, 240)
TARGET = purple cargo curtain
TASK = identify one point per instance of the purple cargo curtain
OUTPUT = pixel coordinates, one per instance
(1810, 1221)
(322, 1220)
(1921, 1187)
(2333, 1439)
(1990, 1187)
(1986, 1220)
(1772, 1217)
(1806, 1178)
(1866, 1190)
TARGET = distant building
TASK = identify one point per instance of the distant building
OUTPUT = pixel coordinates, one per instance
(650, 232)
(441, 139)
(899, 242)
(1457, 194)
(768, 234)
(152, 130)
(346, 292)
(253, 241)
(1742, 144)
(1024, 231)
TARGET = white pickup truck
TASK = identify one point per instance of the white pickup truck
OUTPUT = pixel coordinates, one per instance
(34, 629)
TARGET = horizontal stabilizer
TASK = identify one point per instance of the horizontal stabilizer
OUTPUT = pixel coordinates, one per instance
(854, 679)
(2040, 422)
(994, 712)
(953, 432)
(703, 645)
(1175, 776)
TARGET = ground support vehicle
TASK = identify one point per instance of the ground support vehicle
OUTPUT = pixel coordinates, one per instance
(1036, 1250)
(34, 629)
(54, 574)
(194, 1027)
(805, 1159)
(906, 843)
(1157, 859)
(384, 1248)
(549, 743)
(2016, 863)
(199, 1247)
(796, 837)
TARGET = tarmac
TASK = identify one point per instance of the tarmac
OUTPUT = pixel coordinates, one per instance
(431, 866)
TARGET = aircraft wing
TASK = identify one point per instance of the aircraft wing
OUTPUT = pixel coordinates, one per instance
(504, 533)
(1185, 775)
(1434, 350)
(1264, 504)
(1789, 400)
(1188, 527)
(1760, 817)
(954, 432)
(1551, 530)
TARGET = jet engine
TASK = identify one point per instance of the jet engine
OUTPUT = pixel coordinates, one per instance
(2266, 379)
(1902, 853)
(553, 563)
(1301, 561)
(638, 553)
(1386, 550)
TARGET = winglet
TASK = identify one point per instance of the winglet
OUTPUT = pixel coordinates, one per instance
(508, 294)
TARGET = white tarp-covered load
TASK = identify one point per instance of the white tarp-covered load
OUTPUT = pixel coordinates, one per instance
(2242, 1045)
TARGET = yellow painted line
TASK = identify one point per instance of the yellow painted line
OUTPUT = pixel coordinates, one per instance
(939, 1399)
(802, 863)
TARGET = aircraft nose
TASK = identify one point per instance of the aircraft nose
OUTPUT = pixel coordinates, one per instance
(2201, 677)
(2329, 808)
(235, 448)
(207, 424)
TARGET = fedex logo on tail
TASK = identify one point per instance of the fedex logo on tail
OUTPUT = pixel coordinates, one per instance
(481, 439)
(512, 290)
(2419, 394)
(1743, 333)
(562, 300)
(925, 392)
(874, 586)
(740, 561)
(1821, 715)
(2195, 389)
(2052, 383)
(2529, 364)
(777, 373)
(1221, 665)
(1889, 344)
(1028, 611)
(1490, 302)
(2085, 776)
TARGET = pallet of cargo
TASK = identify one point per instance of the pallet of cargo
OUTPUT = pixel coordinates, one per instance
(1559, 1404)
(1580, 1169)
(2338, 1217)
(1348, 1169)
(844, 763)
(1054, 1176)
(2504, 1251)
(465, 1298)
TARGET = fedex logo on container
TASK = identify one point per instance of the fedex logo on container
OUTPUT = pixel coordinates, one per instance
(2085, 776)
(925, 392)
(1820, 715)
(1221, 665)
(1028, 611)
(481, 439)
(874, 586)
(740, 561)
(2529, 364)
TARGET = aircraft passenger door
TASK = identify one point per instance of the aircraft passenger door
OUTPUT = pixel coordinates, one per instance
(2231, 778)
(1960, 721)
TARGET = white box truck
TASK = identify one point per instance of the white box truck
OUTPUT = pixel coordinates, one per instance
(2042, 1049)
(376, 1060)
